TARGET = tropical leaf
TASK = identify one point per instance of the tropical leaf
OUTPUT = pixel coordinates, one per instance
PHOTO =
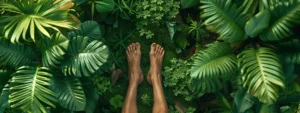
(285, 15)
(290, 51)
(88, 28)
(257, 24)
(34, 17)
(85, 58)
(91, 94)
(53, 50)
(69, 92)
(14, 55)
(104, 6)
(188, 3)
(29, 89)
(209, 64)
(262, 73)
(4, 98)
(267, 109)
(226, 18)
(243, 100)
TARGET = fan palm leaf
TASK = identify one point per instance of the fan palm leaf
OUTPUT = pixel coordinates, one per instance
(32, 17)
(14, 55)
(215, 61)
(226, 18)
(53, 50)
(85, 58)
(29, 89)
(285, 15)
(262, 73)
(69, 93)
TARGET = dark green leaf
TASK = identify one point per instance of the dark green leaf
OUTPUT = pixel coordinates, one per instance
(258, 23)
(188, 3)
(104, 6)
(69, 92)
(243, 101)
(88, 28)
(14, 55)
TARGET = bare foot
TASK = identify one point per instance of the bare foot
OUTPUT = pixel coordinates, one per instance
(134, 59)
(156, 58)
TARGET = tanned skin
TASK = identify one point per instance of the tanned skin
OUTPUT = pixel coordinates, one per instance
(136, 77)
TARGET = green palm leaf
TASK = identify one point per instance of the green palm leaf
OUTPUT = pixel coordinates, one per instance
(53, 50)
(29, 89)
(70, 93)
(262, 73)
(84, 58)
(284, 16)
(34, 17)
(14, 55)
(88, 28)
(215, 61)
(226, 18)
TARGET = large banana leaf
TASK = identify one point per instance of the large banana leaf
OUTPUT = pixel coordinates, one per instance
(14, 55)
(226, 18)
(84, 58)
(88, 28)
(53, 50)
(210, 64)
(29, 89)
(262, 73)
(69, 92)
(284, 16)
(34, 17)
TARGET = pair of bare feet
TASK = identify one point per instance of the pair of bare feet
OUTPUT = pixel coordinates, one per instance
(134, 59)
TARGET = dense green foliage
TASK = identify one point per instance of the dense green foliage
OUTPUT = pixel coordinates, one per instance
(231, 56)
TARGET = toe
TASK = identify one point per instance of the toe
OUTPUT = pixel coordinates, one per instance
(153, 45)
(138, 47)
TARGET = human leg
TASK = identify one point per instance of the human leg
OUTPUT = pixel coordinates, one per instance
(135, 78)
(154, 78)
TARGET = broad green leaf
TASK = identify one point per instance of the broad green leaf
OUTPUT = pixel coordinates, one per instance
(257, 24)
(29, 89)
(88, 28)
(243, 101)
(104, 6)
(262, 73)
(226, 19)
(69, 92)
(188, 3)
(53, 50)
(267, 108)
(284, 16)
(14, 55)
(214, 62)
(84, 58)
